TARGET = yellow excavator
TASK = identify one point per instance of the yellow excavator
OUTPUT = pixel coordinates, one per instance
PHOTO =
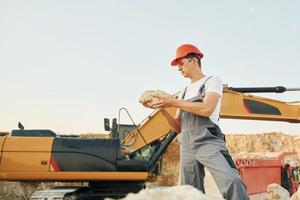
(114, 168)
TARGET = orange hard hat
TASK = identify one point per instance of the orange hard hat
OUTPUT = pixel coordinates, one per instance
(184, 50)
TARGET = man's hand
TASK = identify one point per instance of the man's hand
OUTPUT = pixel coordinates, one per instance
(147, 105)
(151, 97)
(165, 101)
(153, 106)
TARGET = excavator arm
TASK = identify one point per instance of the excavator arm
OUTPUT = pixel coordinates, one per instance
(236, 104)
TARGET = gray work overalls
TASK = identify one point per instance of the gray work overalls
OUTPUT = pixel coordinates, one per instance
(203, 145)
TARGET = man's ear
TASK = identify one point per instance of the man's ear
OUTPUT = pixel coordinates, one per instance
(194, 61)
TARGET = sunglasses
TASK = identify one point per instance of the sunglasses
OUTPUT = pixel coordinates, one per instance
(182, 62)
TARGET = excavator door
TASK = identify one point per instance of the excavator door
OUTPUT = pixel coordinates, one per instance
(2, 139)
(22, 152)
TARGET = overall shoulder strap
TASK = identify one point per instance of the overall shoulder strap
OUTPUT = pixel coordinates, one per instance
(201, 89)
(183, 94)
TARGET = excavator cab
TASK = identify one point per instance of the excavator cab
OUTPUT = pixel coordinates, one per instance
(43, 155)
(35, 150)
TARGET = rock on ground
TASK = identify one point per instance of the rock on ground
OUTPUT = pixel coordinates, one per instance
(183, 192)
(296, 196)
(19, 190)
(276, 192)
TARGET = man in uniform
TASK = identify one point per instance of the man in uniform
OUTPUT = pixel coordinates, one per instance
(197, 119)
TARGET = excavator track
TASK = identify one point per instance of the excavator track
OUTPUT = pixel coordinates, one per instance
(95, 191)
(101, 190)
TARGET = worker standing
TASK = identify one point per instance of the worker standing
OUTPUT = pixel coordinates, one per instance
(197, 119)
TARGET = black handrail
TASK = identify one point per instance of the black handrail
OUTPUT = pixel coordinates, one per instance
(160, 151)
(277, 89)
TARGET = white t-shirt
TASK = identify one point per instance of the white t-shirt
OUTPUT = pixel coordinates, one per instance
(213, 84)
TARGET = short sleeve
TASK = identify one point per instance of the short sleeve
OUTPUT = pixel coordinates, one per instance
(214, 84)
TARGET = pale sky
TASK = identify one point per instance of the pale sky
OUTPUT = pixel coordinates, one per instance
(67, 64)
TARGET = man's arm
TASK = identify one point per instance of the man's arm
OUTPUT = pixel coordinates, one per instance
(204, 108)
(173, 122)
